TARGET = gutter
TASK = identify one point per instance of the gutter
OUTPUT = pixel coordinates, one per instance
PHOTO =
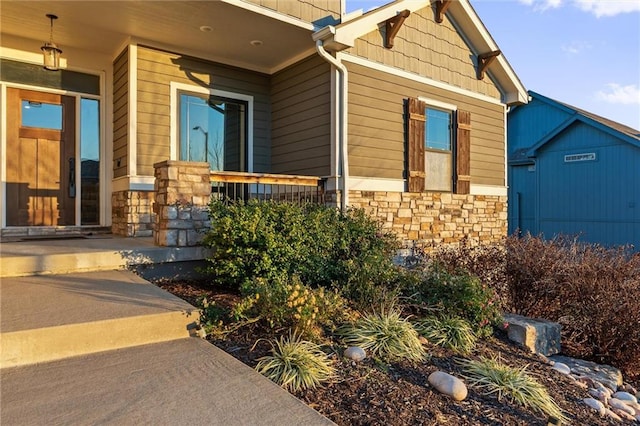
(319, 38)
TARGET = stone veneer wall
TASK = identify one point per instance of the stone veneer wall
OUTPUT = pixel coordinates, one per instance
(183, 192)
(433, 218)
(132, 214)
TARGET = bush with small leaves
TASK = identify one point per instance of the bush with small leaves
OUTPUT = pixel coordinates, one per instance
(296, 364)
(212, 316)
(491, 376)
(385, 334)
(459, 294)
(449, 332)
(323, 246)
(286, 301)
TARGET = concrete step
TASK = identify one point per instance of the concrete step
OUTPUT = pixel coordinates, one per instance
(51, 317)
(186, 381)
(99, 253)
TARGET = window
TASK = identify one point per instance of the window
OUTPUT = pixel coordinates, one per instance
(213, 129)
(90, 161)
(438, 137)
(41, 115)
(438, 158)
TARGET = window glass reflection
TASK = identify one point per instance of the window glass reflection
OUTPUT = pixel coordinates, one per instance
(41, 115)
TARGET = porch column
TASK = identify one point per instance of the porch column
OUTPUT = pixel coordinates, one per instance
(183, 191)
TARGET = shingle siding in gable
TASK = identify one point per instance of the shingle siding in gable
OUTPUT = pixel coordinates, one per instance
(306, 10)
(432, 50)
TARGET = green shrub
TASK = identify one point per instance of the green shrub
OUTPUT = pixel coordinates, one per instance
(592, 291)
(321, 245)
(385, 334)
(460, 295)
(449, 332)
(296, 364)
(485, 261)
(494, 377)
(254, 240)
(287, 302)
(212, 316)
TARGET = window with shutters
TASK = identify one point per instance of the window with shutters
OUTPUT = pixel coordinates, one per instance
(438, 137)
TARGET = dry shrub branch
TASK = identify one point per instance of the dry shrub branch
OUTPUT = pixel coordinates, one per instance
(593, 291)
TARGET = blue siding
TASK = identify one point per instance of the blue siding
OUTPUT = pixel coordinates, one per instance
(522, 199)
(598, 200)
(530, 123)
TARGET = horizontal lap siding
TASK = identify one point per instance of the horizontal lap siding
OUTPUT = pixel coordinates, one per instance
(376, 126)
(301, 119)
(120, 113)
(157, 69)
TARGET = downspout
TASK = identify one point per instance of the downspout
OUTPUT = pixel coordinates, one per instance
(342, 122)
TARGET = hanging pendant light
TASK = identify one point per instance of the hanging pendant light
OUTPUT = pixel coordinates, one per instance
(50, 50)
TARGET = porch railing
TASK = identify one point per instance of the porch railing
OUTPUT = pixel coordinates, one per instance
(267, 186)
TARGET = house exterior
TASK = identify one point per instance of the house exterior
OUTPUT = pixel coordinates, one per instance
(400, 110)
(573, 173)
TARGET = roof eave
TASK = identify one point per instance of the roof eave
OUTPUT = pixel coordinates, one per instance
(463, 16)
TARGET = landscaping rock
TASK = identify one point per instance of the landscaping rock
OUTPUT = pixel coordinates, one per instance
(609, 376)
(600, 395)
(355, 353)
(625, 396)
(448, 385)
(603, 388)
(623, 414)
(596, 405)
(621, 406)
(613, 415)
(561, 367)
(539, 336)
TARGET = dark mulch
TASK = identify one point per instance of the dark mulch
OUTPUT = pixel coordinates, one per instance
(376, 393)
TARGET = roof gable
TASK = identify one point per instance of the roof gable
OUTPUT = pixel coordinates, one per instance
(460, 14)
(620, 131)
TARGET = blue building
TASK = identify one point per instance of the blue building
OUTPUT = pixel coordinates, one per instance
(572, 172)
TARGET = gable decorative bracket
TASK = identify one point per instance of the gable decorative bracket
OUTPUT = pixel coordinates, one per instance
(441, 9)
(393, 26)
(484, 60)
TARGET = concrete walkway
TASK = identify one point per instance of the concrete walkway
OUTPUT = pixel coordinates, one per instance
(183, 382)
(108, 347)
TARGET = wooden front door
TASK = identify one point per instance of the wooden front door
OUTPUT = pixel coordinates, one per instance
(41, 159)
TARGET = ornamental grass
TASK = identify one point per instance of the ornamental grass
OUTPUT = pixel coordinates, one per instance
(493, 377)
(448, 332)
(296, 364)
(385, 334)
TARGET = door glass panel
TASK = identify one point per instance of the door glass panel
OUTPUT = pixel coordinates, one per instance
(90, 161)
(213, 130)
(41, 115)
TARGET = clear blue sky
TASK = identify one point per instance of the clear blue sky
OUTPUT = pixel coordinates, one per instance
(582, 52)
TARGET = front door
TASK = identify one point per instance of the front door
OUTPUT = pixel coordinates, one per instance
(41, 159)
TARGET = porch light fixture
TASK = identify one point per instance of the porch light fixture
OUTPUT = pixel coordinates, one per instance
(50, 51)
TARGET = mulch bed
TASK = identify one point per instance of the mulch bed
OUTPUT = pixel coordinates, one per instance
(376, 393)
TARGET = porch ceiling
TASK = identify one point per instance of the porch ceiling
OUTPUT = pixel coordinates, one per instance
(104, 26)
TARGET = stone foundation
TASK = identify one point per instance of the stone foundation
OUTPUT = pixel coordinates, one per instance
(132, 214)
(432, 219)
(183, 192)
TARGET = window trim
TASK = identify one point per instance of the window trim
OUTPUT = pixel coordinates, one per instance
(179, 88)
(452, 110)
(415, 128)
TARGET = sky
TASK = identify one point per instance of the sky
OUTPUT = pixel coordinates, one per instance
(585, 53)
